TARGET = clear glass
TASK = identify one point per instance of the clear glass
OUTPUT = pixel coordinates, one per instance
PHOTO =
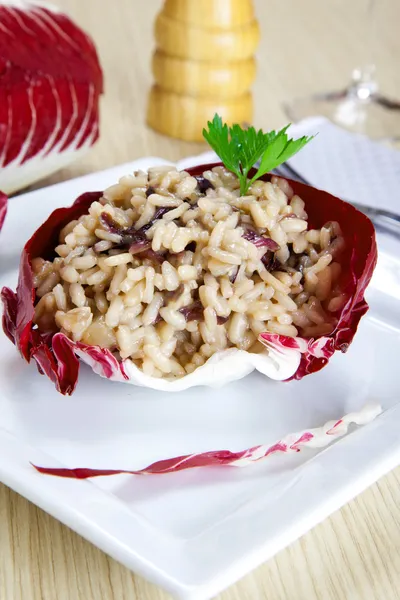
(360, 106)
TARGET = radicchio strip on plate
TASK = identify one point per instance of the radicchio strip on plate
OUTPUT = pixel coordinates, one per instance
(294, 442)
(56, 355)
(50, 86)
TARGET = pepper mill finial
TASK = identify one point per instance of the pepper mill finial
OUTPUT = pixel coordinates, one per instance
(203, 64)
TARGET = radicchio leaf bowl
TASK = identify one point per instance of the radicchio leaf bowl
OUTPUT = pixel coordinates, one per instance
(285, 358)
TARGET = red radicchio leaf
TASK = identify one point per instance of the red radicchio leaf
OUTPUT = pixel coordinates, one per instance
(3, 208)
(18, 314)
(358, 261)
(295, 442)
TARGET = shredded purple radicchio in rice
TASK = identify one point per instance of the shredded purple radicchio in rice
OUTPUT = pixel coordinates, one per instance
(222, 320)
(157, 215)
(129, 235)
(140, 245)
(290, 216)
(155, 257)
(150, 190)
(233, 275)
(113, 227)
(270, 262)
(174, 295)
(259, 240)
(109, 224)
(158, 319)
(193, 312)
(203, 184)
(191, 247)
(135, 239)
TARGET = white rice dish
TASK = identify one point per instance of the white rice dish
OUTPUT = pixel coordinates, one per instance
(168, 269)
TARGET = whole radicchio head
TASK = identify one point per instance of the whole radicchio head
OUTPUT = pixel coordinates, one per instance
(50, 85)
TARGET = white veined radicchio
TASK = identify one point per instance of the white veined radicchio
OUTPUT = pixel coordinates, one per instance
(50, 84)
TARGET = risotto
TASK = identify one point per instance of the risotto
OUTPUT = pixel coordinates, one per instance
(168, 269)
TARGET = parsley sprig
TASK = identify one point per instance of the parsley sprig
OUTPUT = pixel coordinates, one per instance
(239, 149)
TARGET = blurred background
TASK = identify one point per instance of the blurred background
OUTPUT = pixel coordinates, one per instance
(305, 47)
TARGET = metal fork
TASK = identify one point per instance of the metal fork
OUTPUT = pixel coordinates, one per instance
(380, 217)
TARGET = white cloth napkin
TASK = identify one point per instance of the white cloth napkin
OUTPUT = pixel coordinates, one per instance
(348, 165)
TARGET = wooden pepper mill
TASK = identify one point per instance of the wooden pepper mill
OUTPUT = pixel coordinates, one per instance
(203, 64)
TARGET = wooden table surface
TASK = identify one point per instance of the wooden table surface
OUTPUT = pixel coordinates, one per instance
(306, 46)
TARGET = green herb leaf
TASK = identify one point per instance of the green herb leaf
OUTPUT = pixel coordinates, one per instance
(239, 149)
(279, 151)
(218, 138)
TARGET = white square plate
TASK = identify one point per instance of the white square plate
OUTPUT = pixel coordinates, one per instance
(195, 532)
